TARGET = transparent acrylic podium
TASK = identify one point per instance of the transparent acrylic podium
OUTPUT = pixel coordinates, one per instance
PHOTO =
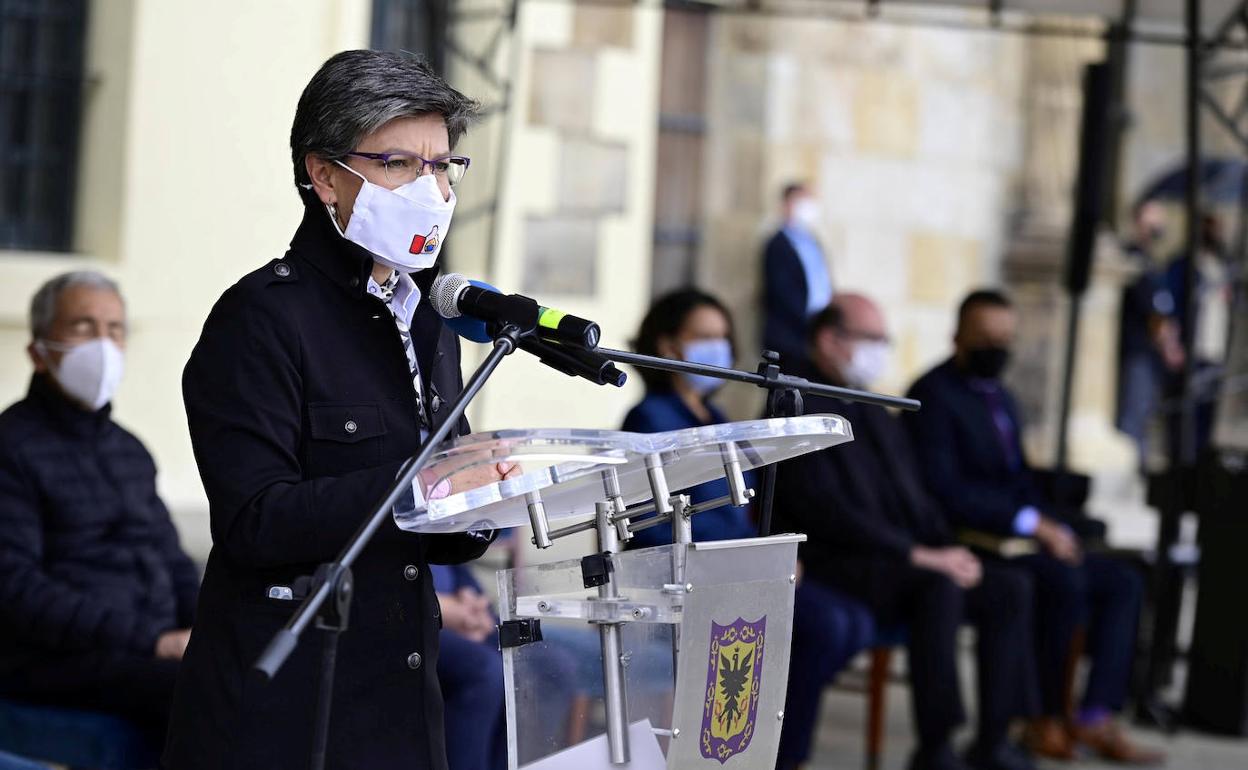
(689, 640)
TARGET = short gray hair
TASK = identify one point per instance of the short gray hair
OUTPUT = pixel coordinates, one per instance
(356, 92)
(43, 305)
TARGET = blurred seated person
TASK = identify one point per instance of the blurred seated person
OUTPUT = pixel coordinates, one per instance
(967, 436)
(828, 628)
(96, 595)
(874, 532)
(470, 671)
(688, 325)
(796, 280)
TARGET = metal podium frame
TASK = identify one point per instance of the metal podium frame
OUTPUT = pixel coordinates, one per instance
(719, 598)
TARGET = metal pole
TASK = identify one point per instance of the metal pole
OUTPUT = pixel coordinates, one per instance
(682, 536)
(613, 683)
(1167, 583)
(1068, 380)
(1187, 405)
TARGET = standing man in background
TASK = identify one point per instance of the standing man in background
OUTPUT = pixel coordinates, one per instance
(1148, 337)
(96, 595)
(796, 280)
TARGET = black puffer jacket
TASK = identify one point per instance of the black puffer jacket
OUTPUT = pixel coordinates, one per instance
(89, 560)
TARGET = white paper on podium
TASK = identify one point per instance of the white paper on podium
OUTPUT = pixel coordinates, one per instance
(644, 753)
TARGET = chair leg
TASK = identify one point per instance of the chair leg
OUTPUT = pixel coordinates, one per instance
(881, 660)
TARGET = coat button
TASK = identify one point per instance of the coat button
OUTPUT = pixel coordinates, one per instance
(435, 403)
(355, 281)
(411, 572)
(413, 661)
(351, 427)
(282, 269)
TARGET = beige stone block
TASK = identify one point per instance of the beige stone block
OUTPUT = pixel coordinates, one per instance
(603, 25)
(562, 90)
(746, 178)
(594, 176)
(560, 255)
(941, 266)
(886, 114)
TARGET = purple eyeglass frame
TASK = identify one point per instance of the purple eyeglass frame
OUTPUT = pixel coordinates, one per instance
(385, 157)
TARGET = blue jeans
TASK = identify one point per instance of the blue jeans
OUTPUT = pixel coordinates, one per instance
(829, 629)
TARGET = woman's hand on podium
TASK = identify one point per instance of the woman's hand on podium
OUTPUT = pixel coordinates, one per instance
(469, 478)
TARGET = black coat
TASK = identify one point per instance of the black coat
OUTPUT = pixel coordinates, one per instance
(960, 450)
(784, 302)
(301, 410)
(862, 504)
(89, 560)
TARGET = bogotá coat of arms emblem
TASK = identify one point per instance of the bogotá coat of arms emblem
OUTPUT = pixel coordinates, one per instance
(733, 681)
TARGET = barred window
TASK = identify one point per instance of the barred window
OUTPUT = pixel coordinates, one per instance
(41, 78)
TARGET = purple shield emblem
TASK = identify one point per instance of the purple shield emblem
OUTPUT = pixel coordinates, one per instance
(733, 681)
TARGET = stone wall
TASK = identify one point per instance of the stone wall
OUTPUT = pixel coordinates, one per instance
(914, 139)
(575, 208)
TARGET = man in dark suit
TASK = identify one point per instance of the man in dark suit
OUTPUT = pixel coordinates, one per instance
(796, 281)
(874, 532)
(967, 436)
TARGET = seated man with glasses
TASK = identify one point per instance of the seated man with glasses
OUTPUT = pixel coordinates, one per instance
(96, 595)
(875, 533)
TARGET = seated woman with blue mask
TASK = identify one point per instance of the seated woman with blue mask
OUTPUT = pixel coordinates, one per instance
(692, 326)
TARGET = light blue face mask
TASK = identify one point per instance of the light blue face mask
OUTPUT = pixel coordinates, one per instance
(711, 352)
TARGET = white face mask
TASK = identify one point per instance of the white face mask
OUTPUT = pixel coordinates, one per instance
(806, 213)
(868, 364)
(89, 371)
(404, 227)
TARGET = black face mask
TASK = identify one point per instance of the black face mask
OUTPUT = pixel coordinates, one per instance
(986, 363)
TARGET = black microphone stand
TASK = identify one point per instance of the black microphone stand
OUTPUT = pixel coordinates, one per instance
(784, 399)
(330, 589)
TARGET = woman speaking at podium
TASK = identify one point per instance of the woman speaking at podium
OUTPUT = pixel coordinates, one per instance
(315, 377)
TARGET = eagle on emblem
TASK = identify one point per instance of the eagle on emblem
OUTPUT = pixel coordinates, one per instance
(732, 676)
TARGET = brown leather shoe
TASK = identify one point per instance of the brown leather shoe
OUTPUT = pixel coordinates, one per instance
(1048, 737)
(1109, 740)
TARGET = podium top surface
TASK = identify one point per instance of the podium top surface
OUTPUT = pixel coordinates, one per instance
(569, 469)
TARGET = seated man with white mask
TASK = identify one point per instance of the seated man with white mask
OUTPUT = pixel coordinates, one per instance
(874, 533)
(96, 595)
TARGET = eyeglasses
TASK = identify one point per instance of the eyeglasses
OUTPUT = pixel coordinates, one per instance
(404, 167)
(861, 336)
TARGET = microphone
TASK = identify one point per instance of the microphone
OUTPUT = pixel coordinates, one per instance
(587, 364)
(575, 362)
(453, 296)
